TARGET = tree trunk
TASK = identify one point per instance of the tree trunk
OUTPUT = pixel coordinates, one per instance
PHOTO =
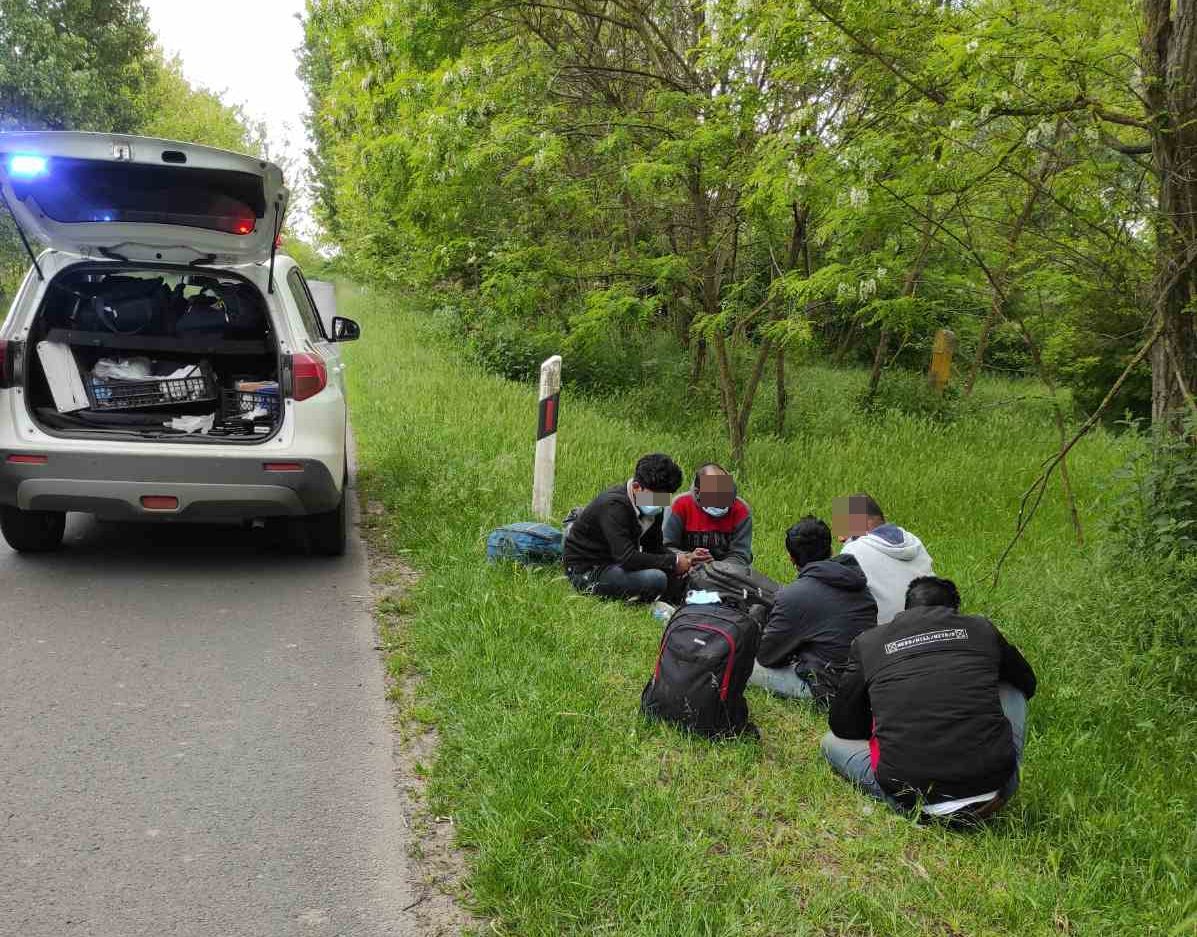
(844, 344)
(698, 361)
(1061, 428)
(991, 318)
(781, 391)
(909, 286)
(1047, 167)
(1170, 64)
(878, 362)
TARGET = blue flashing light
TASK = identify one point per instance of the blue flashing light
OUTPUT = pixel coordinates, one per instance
(27, 167)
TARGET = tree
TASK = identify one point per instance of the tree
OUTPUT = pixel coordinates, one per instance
(1170, 99)
(74, 64)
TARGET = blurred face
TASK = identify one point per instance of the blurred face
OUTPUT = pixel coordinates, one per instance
(715, 491)
(849, 518)
(645, 498)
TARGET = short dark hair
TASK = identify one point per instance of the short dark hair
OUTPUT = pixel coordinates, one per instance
(863, 499)
(931, 590)
(657, 472)
(808, 541)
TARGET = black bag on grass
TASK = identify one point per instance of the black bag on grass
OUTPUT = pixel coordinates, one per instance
(706, 657)
(734, 582)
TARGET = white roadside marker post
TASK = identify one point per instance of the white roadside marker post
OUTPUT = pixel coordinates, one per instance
(546, 438)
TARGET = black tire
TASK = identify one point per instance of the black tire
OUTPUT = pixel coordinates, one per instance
(326, 533)
(32, 531)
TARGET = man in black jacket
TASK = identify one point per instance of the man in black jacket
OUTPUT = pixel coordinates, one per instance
(615, 549)
(814, 618)
(931, 711)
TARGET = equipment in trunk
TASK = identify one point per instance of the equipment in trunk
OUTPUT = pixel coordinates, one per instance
(184, 353)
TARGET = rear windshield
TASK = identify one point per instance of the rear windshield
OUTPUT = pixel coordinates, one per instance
(73, 191)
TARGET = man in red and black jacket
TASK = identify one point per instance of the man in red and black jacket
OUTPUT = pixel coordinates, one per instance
(931, 711)
(711, 519)
(614, 548)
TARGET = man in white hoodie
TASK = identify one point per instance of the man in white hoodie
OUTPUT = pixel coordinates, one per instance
(890, 557)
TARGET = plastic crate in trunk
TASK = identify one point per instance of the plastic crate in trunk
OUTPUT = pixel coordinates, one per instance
(113, 394)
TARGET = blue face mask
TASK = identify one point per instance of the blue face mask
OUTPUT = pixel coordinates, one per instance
(650, 510)
(717, 512)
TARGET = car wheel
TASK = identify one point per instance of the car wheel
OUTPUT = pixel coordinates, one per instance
(32, 531)
(326, 532)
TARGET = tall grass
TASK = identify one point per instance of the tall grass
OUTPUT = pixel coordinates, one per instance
(582, 819)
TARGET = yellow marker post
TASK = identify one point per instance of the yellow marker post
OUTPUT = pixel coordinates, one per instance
(940, 371)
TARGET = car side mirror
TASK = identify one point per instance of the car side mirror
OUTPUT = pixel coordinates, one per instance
(345, 330)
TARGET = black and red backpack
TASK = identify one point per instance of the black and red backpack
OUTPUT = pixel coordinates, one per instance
(706, 656)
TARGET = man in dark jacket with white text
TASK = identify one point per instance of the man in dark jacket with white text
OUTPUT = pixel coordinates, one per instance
(931, 711)
(814, 618)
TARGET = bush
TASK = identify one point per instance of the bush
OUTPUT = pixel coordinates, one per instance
(1151, 550)
(615, 360)
(909, 393)
(1156, 507)
(513, 352)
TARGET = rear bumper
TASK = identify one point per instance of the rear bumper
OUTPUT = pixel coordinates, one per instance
(207, 489)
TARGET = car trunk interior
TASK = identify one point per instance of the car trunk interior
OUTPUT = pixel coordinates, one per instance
(163, 354)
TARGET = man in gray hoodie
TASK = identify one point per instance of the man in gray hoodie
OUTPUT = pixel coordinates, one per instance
(890, 557)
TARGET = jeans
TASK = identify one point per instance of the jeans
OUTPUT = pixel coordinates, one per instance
(850, 757)
(615, 582)
(780, 681)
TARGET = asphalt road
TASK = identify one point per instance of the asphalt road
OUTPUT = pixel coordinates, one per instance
(194, 739)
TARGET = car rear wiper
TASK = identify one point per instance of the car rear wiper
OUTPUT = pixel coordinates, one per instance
(111, 254)
(24, 240)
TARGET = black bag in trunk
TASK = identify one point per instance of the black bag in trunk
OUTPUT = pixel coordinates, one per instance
(706, 657)
(734, 582)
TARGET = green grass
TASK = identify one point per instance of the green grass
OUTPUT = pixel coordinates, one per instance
(581, 819)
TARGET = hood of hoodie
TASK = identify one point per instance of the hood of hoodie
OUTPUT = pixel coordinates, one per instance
(892, 541)
(841, 572)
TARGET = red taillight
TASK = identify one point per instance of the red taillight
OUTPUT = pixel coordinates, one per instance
(309, 376)
(282, 466)
(243, 227)
(160, 502)
(23, 458)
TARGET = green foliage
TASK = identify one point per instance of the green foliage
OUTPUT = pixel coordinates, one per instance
(839, 171)
(75, 64)
(1156, 513)
(909, 393)
(1151, 548)
(607, 352)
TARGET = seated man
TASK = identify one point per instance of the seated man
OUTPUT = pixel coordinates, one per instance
(932, 709)
(614, 548)
(814, 619)
(710, 520)
(890, 556)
